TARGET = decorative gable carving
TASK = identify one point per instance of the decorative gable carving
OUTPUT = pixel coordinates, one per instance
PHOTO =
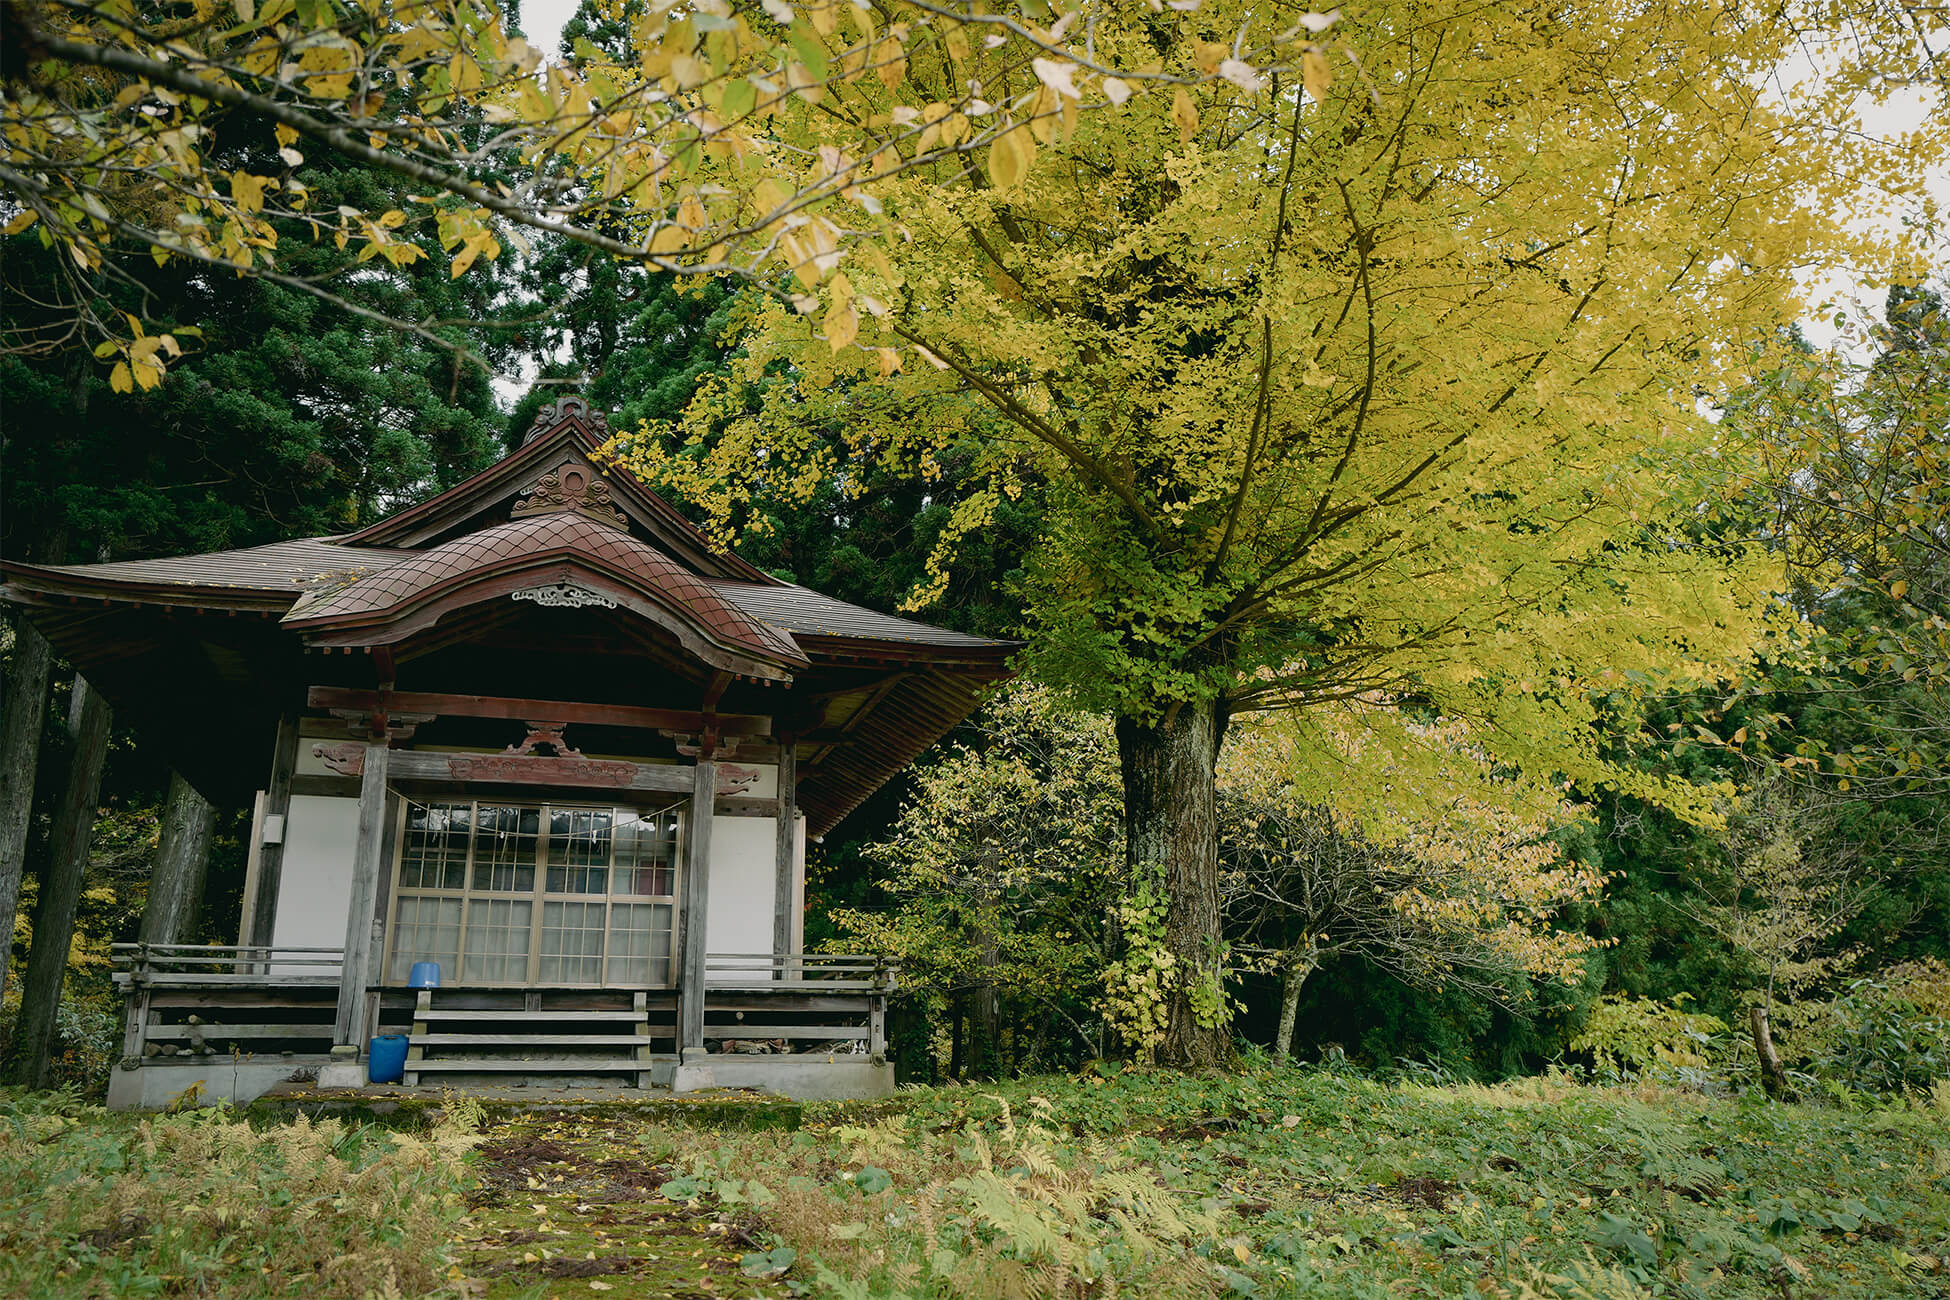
(568, 408)
(570, 486)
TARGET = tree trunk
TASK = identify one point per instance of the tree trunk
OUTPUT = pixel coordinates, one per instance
(985, 1014)
(20, 748)
(67, 860)
(1300, 965)
(957, 1060)
(1171, 830)
(182, 854)
(1773, 1076)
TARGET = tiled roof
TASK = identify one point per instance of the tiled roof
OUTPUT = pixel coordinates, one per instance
(282, 567)
(321, 565)
(514, 545)
(808, 613)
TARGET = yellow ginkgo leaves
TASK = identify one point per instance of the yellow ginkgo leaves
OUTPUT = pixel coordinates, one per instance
(1011, 157)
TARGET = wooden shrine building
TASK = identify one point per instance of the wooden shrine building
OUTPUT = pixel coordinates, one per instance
(536, 738)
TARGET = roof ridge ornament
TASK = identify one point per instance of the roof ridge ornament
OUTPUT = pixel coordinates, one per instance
(570, 487)
(567, 408)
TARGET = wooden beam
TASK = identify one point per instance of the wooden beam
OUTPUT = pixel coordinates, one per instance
(740, 806)
(367, 853)
(784, 844)
(533, 710)
(262, 921)
(697, 896)
(537, 769)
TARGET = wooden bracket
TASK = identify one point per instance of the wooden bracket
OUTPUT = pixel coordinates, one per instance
(545, 733)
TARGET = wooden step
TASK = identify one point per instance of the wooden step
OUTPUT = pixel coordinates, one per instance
(578, 1017)
(528, 1040)
(503, 1064)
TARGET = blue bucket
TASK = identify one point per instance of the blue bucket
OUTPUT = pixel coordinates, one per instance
(424, 975)
(386, 1058)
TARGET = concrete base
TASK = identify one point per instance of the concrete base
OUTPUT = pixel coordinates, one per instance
(342, 1074)
(693, 1072)
(199, 1083)
(804, 1078)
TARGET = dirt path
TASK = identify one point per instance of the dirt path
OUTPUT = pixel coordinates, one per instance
(568, 1204)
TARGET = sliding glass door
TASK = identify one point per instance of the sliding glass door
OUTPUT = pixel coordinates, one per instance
(506, 894)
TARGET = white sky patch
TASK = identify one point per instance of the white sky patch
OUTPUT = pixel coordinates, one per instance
(542, 22)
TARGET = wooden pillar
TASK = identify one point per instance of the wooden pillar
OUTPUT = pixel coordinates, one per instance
(61, 878)
(697, 891)
(367, 860)
(261, 921)
(182, 859)
(785, 868)
(20, 747)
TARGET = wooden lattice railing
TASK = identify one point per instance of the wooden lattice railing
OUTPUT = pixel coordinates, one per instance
(196, 1000)
(223, 963)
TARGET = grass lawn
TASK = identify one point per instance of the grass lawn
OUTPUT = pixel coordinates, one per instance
(1131, 1182)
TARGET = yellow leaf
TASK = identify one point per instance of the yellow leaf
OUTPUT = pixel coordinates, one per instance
(1010, 158)
(669, 239)
(286, 135)
(119, 380)
(246, 9)
(22, 219)
(392, 220)
(1184, 114)
(890, 361)
(689, 72)
(1315, 72)
(841, 326)
(1897, 589)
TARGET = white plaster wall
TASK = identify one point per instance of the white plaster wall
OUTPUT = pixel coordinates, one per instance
(739, 916)
(320, 834)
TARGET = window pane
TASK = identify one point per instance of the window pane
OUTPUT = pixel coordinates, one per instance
(578, 850)
(639, 943)
(497, 940)
(435, 853)
(504, 848)
(427, 929)
(572, 943)
(646, 854)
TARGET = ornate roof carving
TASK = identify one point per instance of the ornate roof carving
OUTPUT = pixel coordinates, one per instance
(567, 408)
(570, 487)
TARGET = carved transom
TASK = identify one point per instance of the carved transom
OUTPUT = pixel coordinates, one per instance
(564, 595)
(570, 487)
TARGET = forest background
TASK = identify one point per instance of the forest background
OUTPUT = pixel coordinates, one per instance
(1643, 937)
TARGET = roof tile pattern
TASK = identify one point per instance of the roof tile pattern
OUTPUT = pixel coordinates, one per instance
(808, 613)
(537, 539)
(282, 567)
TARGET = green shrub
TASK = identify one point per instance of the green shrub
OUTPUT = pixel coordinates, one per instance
(1887, 1033)
(1632, 1037)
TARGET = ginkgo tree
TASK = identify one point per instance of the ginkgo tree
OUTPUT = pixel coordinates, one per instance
(1368, 377)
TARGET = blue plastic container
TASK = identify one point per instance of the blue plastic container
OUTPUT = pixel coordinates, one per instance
(424, 975)
(386, 1058)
